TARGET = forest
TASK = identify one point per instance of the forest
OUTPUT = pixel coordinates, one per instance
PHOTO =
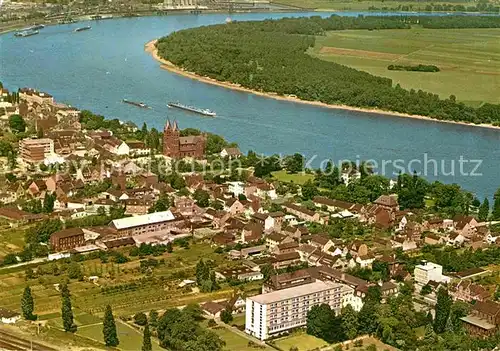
(271, 56)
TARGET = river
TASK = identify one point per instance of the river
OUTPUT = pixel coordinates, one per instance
(96, 69)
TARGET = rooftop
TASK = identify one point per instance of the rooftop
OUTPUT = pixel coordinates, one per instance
(150, 218)
(481, 323)
(302, 290)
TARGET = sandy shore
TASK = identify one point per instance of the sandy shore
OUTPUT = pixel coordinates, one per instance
(150, 48)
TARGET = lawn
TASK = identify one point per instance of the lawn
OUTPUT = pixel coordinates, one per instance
(234, 341)
(469, 59)
(238, 319)
(130, 338)
(297, 178)
(303, 341)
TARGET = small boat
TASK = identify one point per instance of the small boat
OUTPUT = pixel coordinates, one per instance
(138, 104)
(26, 33)
(201, 111)
(83, 28)
(38, 26)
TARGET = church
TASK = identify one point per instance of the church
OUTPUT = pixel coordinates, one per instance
(176, 146)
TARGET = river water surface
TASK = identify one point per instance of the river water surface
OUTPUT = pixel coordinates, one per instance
(96, 69)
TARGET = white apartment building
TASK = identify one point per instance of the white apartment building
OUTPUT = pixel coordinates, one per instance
(282, 310)
(424, 273)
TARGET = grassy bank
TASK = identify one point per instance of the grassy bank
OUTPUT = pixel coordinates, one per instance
(468, 58)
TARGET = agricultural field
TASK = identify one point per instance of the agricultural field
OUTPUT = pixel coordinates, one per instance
(363, 5)
(11, 240)
(125, 287)
(469, 59)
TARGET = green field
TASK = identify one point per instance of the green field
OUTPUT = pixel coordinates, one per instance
(235, 341)
(469, 59)
(297, 178)
(363, 5)
(302, 341)
(130, 338)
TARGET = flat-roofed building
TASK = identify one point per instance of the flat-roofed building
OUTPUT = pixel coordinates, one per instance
(36, 150)
(427, 272)
(279, 311)
(148, 223)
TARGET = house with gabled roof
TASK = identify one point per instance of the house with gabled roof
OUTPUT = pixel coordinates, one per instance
(465, 225)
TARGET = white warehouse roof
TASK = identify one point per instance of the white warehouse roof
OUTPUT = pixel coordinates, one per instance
(150, 218)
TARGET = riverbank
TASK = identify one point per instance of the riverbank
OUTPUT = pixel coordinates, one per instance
(150, 48)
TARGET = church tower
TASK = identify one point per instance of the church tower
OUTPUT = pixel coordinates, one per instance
(171, 134)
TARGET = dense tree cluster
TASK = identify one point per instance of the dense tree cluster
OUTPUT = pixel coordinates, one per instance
(415, 68)
(180, 330)
(271, 56)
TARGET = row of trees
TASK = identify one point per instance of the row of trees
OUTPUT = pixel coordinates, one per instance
(109, 327)
(416, 68)
(271, 56)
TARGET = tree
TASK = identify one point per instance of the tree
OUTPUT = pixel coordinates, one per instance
(268, 271)
(443, 308)
(27, 305)
(170, 247)
(153, 318)
(349, 322)
(48, 202)
(226, 316)
(193, 310)
(202, 198)
(322, 323)
(496, 206)
(146, 339)
(309, 190)
(75, 271)
(484, 210)
(426, 290)
(66, 310)
(140, 318)
(367, 317)
(109, 328)
(17, 124)
(457, 311)
(294, 163)
(206, 341)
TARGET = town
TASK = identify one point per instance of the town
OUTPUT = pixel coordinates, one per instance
(119, 235)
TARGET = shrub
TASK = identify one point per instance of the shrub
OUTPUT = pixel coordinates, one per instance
(140, 319)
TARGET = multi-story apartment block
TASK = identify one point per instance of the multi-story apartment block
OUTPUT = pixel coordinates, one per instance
(67, 239)
(278, 311)
(424, 273)
(36, 150)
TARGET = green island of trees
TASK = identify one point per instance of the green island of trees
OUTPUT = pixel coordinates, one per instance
(271, 56)
(416, 68)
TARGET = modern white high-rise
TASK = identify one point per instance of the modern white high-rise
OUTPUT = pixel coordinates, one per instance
(281, 310)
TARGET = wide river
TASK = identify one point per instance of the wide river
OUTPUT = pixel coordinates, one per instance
(96, 69)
